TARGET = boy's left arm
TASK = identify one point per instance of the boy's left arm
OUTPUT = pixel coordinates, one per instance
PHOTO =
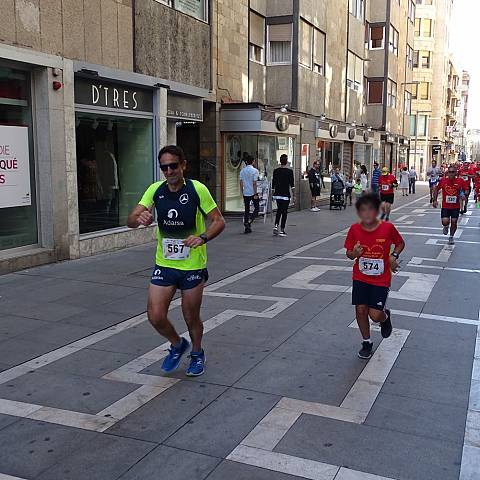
(399, 244)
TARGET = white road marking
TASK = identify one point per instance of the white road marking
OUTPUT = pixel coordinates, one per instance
(150, 385)
(440, 267)
(257, 447)
(458, 234)
(443, 256)
(430, 316)
(9, 477)
(436, 241)
(471, 448)
(418, 286)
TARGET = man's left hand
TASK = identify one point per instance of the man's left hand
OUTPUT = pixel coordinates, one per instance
(192, 241)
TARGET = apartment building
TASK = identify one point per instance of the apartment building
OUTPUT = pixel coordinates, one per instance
(432, 69)
(460, 130)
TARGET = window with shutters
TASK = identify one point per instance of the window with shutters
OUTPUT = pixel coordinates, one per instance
(354, 72)
(407, 103)
(423, 91)
(417, 27)
(425, 59)
(426, 27)
(376, 36)
(416, 57)
(280, 44)
(393, 40)
(409, 57)
(375, 91)
(318, 51)
(306, 44)
(256, 45)
(391, 94)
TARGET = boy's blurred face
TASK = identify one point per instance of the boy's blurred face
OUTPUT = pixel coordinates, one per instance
(368, 214)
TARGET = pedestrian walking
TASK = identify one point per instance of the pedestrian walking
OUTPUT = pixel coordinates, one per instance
(412, 180)
(314, 181)
(181, 258)
(364, 178)
(375, 177)
(283, 186)
(248, 187)
(404, 181)
(348, 190)
(369, 243)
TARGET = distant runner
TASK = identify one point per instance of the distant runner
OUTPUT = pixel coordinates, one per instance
(181, 258)
(369, 243)
(386, 184)
(452, 190)
(466, 179)
(433, 175)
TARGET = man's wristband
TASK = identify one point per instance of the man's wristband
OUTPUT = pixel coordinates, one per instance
(396, 255)
(204, 237)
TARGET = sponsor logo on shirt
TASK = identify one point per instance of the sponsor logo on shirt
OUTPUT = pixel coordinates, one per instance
(183, 198)
(172, 213)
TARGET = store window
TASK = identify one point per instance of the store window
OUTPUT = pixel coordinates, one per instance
(329, 154)
(265, 150)
(257, 38)
(114, 165)
(18, 209)
(280, 44)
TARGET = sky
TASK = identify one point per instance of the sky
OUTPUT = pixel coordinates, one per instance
(465, 47)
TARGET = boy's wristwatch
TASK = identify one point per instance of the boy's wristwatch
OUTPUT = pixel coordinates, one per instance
(396, 255)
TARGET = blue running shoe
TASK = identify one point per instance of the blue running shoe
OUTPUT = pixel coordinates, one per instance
(197, 364)
(175, 354)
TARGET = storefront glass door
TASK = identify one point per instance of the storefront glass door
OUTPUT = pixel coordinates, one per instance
(18, 210)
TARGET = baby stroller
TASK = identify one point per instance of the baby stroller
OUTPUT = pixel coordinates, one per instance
(337, 195)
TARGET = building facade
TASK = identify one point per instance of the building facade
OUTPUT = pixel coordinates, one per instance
(434, 75)
(91, 90)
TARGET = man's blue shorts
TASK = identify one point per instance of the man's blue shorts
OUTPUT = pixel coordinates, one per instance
(182, 279)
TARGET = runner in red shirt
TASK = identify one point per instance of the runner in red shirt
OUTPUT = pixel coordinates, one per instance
(452, 190)
(466, 177)
(386, 184)
(476, 186)
(369, 243)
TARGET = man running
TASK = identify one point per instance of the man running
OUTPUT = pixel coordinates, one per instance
(433, 175)
(181, 258)
(452, 191)
(466, 179)
(282, 184)
(369, 243)
(386, 184)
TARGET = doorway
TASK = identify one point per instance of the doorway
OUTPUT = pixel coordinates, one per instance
(188, 138)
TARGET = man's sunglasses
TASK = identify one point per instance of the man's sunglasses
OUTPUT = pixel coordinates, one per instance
(171, 166)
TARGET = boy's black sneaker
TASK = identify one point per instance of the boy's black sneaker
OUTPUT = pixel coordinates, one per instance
(366, 351)
(386, 326)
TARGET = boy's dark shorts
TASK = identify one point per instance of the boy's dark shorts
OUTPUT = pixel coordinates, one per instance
(372, 295)
(389, 197)
(450, 213)
(182, 279)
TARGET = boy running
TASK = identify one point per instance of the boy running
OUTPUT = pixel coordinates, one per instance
(386, 184)
(369, 243)
(452, 190)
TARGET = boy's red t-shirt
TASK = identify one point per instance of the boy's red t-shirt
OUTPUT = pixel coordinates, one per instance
(385, 184)
(373, 266)
(451, 192)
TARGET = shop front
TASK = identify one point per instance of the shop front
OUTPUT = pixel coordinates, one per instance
(18, 198)
(265, 135)
(115, 149)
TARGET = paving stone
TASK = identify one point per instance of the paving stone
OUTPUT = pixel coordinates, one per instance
(12, 325)
(30, 447)
(379, 451)
(425, 386)
(220, 427)
(16, 350)
(165, 414)
(90, 363)
(96, 319)
(65, 391)
(172, 463)
(48, 311)
(104, 458)
(239, 471)
(6, 420)
(435, 362)
(418, 417)
(315, 378)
